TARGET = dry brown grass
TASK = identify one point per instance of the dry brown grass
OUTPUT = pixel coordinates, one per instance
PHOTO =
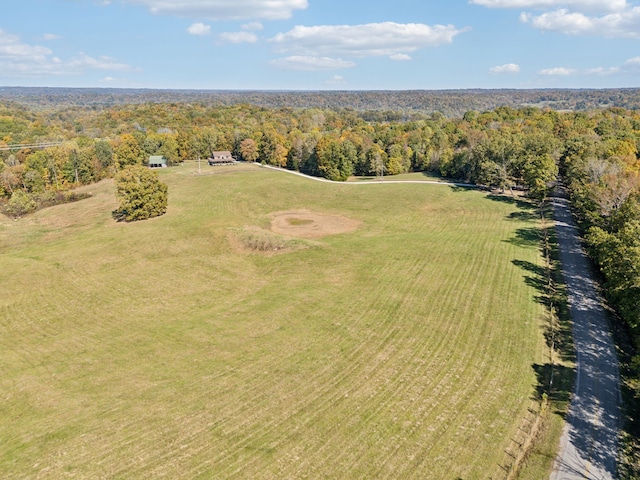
(254, 239)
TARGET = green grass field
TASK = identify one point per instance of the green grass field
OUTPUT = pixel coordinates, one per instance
(169, 349)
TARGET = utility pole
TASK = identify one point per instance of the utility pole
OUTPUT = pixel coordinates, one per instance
(199, 171)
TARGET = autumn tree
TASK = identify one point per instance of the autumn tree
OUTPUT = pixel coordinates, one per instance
(539, 168)
(335, 158)
(207, 140)
(128, 151)
(376, 160)
(9, 181)
(249, 150)
(618, 255)
(104, 153)
(399, 159)
(298, 150)
(273, 150)
(140, 194)
(38, 171)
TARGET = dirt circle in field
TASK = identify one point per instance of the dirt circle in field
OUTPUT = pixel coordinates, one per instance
(308, 224)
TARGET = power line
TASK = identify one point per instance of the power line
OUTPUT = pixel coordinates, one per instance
(30, 145)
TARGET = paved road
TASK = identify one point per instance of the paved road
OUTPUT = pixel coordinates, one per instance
(590, 439)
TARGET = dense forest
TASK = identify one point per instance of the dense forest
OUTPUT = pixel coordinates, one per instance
(596, 152)
(497, 148)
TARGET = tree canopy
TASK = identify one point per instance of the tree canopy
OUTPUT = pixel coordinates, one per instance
(140, 193)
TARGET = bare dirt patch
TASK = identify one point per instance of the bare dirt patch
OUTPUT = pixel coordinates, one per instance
(308, 224)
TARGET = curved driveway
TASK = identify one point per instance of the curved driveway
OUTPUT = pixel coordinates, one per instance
(589, 444)
(368, 182)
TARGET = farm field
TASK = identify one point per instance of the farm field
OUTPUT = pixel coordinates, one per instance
(392, 334)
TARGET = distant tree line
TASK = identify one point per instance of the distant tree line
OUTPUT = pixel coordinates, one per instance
(399, 104)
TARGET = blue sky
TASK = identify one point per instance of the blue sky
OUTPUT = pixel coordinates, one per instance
(320, 44)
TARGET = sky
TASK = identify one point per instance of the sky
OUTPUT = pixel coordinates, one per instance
(320, 44)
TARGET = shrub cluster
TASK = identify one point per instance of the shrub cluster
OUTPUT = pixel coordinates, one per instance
(22, 203)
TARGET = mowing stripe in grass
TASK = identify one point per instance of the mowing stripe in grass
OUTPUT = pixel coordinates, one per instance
(400, 350)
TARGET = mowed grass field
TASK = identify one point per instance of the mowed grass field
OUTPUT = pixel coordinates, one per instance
(169, 349)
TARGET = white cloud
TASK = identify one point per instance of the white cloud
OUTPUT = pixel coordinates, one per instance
(51, 36)
(252, 26)
(11, 48)
(336, 80)
(310, 63)
(629, 67)
(624, 24)
(632, 65)
(584, 5)
(605, 18)
(525, 17)
(506, 68)
(84, 61)
(557, 72)
(224, 9)
(601, 71)
(238, 37)
(199, 28)
(19, 59)
(400, 57)
(374, 39)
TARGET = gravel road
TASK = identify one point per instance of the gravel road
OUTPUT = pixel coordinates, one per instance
(589, 444)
